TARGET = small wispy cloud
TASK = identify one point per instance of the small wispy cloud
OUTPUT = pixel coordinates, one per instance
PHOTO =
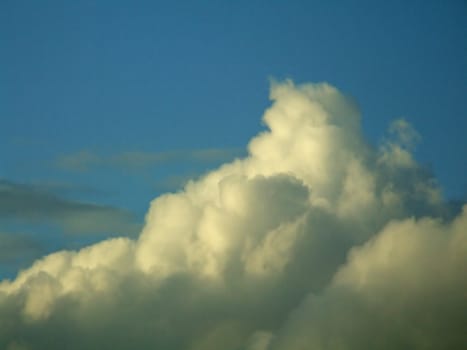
(18, 250)
(85, 160)
(174, 182)
(30, 203)
(15, 246)
(80, 161)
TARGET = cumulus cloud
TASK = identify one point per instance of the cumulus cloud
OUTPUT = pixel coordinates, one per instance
(316, 239)
(403, 289)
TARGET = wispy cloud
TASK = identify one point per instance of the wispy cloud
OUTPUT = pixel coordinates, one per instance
(174, 182)
(85, 160)
(17, 251)
(29, 203)
(15, 246)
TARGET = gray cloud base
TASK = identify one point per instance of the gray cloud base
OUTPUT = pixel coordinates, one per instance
(314, 240)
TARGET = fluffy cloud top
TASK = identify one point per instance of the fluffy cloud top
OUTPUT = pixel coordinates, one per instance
(314, 240)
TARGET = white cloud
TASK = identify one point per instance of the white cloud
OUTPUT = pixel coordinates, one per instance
(254, 254)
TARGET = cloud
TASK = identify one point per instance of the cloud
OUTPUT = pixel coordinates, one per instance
(29, 203)
(405, 288)
(80, 162)
(315, 239)
(175, 182)
(85, 160)
(18, 250)
(14, 246)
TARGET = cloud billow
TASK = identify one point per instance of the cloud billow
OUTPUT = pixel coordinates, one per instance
(314, 240)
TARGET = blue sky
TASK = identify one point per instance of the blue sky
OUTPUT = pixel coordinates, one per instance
(104, 105)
